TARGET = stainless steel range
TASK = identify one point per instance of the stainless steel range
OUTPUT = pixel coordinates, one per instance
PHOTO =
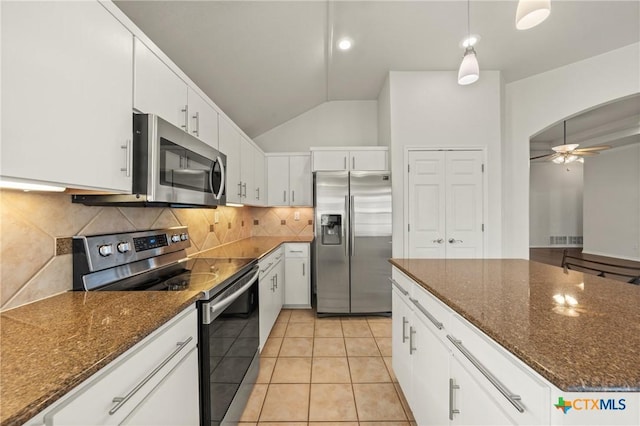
(229, 329)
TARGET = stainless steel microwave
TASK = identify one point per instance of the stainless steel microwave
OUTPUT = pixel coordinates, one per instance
(170, 168)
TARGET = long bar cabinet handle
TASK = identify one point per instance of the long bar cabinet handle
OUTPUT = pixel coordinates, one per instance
(511, 397)
(121, 400)
(398, 286)
(426, 313)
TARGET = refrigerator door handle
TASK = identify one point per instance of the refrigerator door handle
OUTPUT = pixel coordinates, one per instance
(352, 227)
(346, 210)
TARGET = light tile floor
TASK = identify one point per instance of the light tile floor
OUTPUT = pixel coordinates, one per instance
(333, 371)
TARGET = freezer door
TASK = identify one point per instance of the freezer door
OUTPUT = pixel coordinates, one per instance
(370, 245)
(331, 266)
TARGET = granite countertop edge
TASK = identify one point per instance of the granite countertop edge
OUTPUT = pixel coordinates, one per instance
(28, 410)
(558, 381)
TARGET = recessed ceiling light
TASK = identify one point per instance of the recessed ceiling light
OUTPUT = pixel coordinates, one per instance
(470, 41)
(344, 44)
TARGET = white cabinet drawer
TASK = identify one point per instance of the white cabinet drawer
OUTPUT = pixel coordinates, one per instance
(433, 310)
(132, 376)
(402, 283)
(296, 250)
(494, 368)
(267, 263)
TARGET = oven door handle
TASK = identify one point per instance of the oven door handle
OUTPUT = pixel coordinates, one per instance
(212, 310)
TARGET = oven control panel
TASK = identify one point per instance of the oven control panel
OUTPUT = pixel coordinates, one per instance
(111, 250)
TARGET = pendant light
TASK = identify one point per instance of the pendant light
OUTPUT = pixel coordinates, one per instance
(531, 13)
(469, 71)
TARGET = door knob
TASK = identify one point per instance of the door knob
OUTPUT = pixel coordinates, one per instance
(453, 241)
(440, 241)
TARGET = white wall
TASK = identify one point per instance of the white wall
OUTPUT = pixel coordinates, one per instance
(336, 123)
(429, 109)
(612, 203)
(555, 206)
(535, 103)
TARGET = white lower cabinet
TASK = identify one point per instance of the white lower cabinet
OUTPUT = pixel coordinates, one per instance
(153, 383)
(469, 403)
(451, 373)
(270, 291)
(297, 289)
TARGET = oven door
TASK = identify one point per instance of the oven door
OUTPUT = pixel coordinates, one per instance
(229, 355)
(183, 170)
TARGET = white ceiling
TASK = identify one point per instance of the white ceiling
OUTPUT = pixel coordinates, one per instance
(265, 62)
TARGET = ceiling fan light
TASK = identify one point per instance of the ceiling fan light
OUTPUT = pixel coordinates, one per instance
(570, 158)
(558, 160)
(531, 13)
(565, 147)
(469, 71)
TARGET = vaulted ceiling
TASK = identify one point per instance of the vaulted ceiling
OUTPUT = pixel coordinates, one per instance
(265, 62)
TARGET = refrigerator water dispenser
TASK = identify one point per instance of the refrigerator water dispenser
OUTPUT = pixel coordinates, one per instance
(331, 225)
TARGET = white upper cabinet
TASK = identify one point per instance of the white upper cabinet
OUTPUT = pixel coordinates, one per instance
(247, 171)
(66, 95)
(157, 89)
(289, 180)
(203, 119)
(300, 180)
(362, 159)
(260, 195)
(230, 146)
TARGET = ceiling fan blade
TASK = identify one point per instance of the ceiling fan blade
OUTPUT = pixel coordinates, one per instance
(541, 157)
(585, 153)
(593, 148)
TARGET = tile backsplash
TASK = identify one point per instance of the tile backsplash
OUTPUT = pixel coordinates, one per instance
(36, 226)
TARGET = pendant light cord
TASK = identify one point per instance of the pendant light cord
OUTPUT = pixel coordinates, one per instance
(468, 20)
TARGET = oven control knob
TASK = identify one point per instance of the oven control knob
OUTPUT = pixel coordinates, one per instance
(175, 238)
(124, 247)
(105, 250)
(184, 237)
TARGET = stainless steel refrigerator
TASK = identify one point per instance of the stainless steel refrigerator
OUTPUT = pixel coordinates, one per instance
(352, 242)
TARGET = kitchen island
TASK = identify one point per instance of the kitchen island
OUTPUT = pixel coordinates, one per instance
(571, 333)
(51, 346)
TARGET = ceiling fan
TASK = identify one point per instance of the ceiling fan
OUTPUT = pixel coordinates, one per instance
(568, 153)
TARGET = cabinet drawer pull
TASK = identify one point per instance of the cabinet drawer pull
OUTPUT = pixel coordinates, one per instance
(240, 189)
(121, 400)
(398, 286)
(244, 187)
(412, 332)
(185, 110)
(284, 196)
(405, 321)
(296, 251)
(511, 397)
(196, 117)
(128, 159)
(426, 313)
(303, 270)
(293, 196)
(257, 193)
(452, 388)
(353, 163)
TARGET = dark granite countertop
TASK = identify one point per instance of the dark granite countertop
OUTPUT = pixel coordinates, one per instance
(51, 346)
(589, 344)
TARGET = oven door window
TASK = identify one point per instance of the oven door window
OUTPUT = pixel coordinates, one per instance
(181, 168)
(234, 337)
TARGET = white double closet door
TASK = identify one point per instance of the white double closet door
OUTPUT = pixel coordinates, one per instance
(445, 204)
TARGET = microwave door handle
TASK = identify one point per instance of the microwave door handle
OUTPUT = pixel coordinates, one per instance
(222, 178)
